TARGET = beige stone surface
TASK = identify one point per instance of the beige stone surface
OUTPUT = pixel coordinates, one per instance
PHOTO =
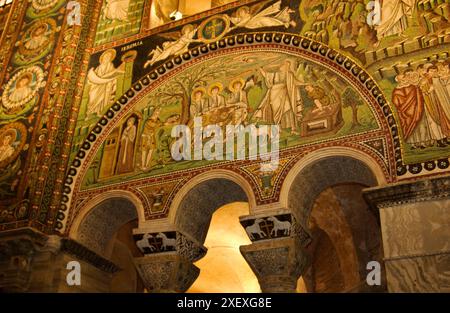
(416, 241)
(420, 274)
(416, 228)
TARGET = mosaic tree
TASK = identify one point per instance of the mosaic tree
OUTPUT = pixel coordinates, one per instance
(181, 88)
(351, 99)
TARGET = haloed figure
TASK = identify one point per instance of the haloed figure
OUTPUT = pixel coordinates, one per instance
(126, 153)
(216, 100)
(6, 147)
(22, 89)
(148, 144)
(199, 103)
(239, 100)
(37, 38)
(102, 83)
(282, 101)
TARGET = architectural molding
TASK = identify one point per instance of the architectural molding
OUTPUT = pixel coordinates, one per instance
(82, 253)
(408, 192)
(28, 241)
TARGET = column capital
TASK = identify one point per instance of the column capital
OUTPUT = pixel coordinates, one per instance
(31, 261)
(277, 263)
(167, 264)
(277, 254)
(169, 241)
(166, 272)
(283, 224)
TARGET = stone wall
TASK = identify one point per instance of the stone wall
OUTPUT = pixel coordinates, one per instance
(415, 222)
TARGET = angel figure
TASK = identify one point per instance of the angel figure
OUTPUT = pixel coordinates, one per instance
(181, 44)
(116, 10)
(253, 18)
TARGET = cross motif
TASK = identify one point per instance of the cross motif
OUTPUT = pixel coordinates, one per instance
(266, 227)
(156, 242)
(213, 29)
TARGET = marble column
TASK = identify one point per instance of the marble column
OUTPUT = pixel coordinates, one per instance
(277, 255)
(168, 261)
(415, 224)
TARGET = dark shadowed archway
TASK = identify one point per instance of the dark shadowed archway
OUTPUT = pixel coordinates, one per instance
(107, 229)
(98, 227)
(198, 205)
(326, 196)
(324, 173)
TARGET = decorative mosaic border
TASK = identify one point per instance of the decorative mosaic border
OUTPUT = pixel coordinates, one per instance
(53, 160)
(146, 31)
(288, 41)
(122, 113)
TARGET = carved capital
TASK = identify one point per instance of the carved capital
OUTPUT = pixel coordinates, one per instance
(17, 250)
(170, 241)
(166, 272)
(277, 263)
(29, 260)
(283, 225)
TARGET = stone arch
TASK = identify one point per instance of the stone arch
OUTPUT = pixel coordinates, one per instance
(105, 226)
(316, 191)
(219, 174)
(308, 185)
(193, 206)
(98, 221)
(287, 43)
(324, 168)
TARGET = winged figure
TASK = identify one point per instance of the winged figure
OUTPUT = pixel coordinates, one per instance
(254, 17)
(180, 44)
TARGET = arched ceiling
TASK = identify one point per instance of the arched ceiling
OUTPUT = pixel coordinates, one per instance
(162, 69)
(103, 158)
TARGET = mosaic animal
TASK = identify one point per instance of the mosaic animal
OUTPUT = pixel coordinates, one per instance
(166, 242)
(144, 243)
(285, 227)
(255, 229)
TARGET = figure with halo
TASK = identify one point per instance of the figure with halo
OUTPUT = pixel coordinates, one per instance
(102, 83)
